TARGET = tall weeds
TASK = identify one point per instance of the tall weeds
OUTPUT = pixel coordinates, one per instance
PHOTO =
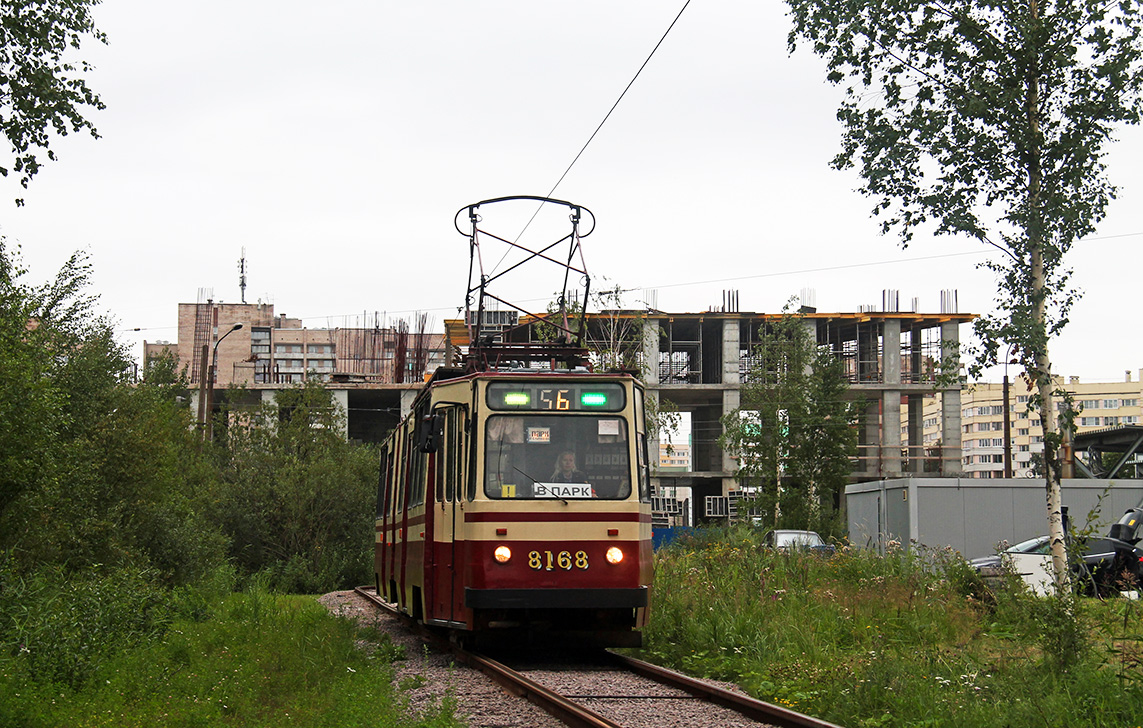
(910, 638)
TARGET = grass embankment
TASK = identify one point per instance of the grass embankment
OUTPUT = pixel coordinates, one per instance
(908, 639)
(251, 659)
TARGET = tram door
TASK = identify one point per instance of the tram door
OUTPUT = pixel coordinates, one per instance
(449, 516)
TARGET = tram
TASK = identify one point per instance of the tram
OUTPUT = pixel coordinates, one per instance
(519, 501)
(515, 497)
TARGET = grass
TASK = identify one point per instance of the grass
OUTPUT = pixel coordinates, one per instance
(257, 660)
(913, 638)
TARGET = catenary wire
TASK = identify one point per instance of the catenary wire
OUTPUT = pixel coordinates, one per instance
(598, 128)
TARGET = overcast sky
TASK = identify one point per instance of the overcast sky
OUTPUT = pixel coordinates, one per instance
(335, 142)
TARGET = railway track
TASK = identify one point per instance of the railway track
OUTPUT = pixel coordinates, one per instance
(607, 690)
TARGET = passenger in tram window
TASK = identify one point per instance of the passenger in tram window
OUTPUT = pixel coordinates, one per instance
(566, 471)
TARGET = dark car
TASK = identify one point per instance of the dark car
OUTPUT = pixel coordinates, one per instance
(1115, 562)
(1105, 565)
(786, 539)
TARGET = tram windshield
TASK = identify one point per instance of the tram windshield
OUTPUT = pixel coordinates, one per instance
(534, 457)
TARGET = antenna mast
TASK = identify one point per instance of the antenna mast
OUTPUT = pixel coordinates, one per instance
(242, 274)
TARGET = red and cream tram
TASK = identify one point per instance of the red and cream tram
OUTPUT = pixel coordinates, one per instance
(519, 500)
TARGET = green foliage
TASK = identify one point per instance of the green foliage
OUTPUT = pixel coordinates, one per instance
(296, 500)
(115, 522)
(93, 471)
(59, 630)
(795, 428)
(259, 660)
(40, 92)
(908, 638)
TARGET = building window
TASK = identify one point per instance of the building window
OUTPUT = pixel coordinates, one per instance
(1023, 431)
(1130, 419)
(1089, 422)
(1089, 403)
(1110, 421)
(1129, 403)
(1111, 404)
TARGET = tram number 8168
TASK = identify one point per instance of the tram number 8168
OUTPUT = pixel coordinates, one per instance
(548, 560)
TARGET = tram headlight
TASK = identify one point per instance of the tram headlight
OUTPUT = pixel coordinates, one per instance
(502, 554)
(614, 555)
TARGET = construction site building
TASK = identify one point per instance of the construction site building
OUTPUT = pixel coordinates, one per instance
(373, 369)
(893, 361)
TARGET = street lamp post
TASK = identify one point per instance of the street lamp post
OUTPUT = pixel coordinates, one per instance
(1007, 419)
(209, 434)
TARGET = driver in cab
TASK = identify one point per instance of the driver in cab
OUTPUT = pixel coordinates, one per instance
(566, 471)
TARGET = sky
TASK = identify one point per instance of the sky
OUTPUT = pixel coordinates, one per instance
(333, 143)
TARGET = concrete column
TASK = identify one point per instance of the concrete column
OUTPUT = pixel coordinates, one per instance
(891, 398)
(731, 398)
(951, 446)
(891, 351)
(731, 351)
(891, 433)
(341, 398)
(651, 341)
(270, 397)
(870, 439)
(811, 331)
(916, 433)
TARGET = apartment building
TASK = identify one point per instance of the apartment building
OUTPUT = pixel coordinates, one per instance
(371, 367)
(1100, 405)
(250, 344)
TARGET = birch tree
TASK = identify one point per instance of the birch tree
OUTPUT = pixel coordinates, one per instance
(988, 119)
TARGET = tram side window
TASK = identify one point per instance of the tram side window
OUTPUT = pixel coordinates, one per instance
(440, 458)
(468, 466)
(641, 446)
(644, 481)
(400, 475)
(416, 473)
(454, 428)
(382, 480)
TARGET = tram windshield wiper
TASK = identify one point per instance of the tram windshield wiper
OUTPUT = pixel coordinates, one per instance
(534, 481)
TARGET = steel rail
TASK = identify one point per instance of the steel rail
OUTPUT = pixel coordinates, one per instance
(566, 711)
(577, 716)
(742, 704)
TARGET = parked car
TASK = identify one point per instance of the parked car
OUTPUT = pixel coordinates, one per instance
(787, 540)
(1105, 565)
(1037, 545)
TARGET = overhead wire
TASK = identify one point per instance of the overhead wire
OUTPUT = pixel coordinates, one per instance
(598, 128)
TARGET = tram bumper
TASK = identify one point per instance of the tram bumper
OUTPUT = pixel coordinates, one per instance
(555, 598)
